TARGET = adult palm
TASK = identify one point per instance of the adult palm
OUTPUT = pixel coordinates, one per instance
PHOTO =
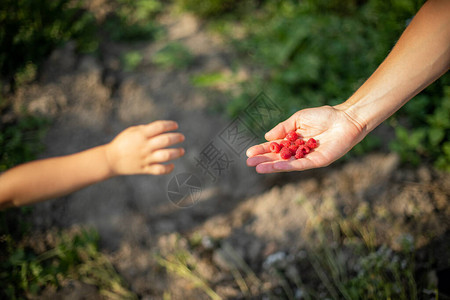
(335, 131)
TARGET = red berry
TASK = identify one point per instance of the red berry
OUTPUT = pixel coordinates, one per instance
(285, 153)
(293, 145)
(299, 153)
(285, 143)
(299, 142)
(306, 149)
(311, 143)
(292, 136)
(293, 149)
(274, 147)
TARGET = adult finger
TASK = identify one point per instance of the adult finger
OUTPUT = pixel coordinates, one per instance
(158, 127)
(293, 165)
(258, 149)
(280, 166)
(280, 131)
(312, 160)
(259, 159)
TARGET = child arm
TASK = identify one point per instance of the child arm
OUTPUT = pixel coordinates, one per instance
(137, 150)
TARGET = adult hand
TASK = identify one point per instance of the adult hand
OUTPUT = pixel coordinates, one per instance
(335, 131)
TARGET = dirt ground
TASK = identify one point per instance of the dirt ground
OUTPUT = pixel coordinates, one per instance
(91, 99)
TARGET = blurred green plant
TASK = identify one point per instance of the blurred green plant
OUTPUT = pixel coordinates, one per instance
(174, 55)
(212, 8)
(31, 29)
(25, 273)
(134, 20)
(209, 79)
(182, 263)
(428, 133)
(370, 272)
(20, 141)
(131, 60)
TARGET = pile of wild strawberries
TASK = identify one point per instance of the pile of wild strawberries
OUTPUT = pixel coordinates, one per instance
(293, 145)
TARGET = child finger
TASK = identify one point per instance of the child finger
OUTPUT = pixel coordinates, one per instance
(165, 140)
(164, 155)
(158, 127)
(159, 169)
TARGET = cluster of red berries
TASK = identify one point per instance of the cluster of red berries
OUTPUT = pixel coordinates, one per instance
(293, 145)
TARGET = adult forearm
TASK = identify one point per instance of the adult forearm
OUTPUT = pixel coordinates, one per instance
(50, 178)
(421, 55)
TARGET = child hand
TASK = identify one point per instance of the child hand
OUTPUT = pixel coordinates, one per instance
(142, 149)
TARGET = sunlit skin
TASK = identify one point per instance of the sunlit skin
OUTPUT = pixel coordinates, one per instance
(137, 150)
(325, 124)
(421, 55)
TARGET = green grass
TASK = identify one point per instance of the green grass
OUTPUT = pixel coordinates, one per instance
(20, 141)
(134, 21)
(31, 29)
(26, 272)
(173, 56)
(178, 264)
(131, 60)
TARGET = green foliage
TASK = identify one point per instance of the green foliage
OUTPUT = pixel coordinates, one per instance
(173, 55)
(377, 274)
(428, 131)
(21, 141)
(313, 53)
(134, 20)
(26, 74)
(31, 29)
(214, 8)
(181, 263)
(369, 143)
(25, 272)
(208, 80)
(407, 143)
(131, 60)
(383, 274)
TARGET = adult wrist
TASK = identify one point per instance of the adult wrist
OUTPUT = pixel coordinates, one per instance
(354, 115)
